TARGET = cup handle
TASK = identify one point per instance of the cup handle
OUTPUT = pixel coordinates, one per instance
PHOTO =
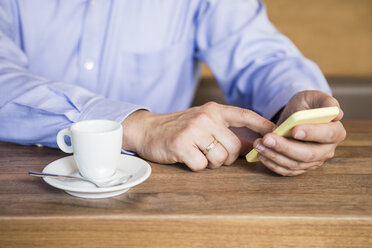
(61, 140)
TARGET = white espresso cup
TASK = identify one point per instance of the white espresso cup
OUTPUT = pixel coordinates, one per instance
(96, 145)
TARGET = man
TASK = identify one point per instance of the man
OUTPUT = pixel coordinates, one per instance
(136, 62)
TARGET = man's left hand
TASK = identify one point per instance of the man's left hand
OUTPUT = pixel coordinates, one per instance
(312, 145)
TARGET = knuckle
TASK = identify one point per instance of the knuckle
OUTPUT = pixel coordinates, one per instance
(210, 105)
(213, 166)
(199, 165)
(330, 101)
(217, 157)
(280, 144)
(245, 113)
(273, 156)
(196, 168)
(285, 173)
(236, 144)
(189, 126)
(331, 154)
(333, 101)
(331, 136)
(231, 158)
(201, 117)
(310, 156)
(305, 166)
(229, 161)
(316, 166)
(177, 142)
(291, 174)
(343, 135)
(220, 158)
(297, 173)
(294, 165)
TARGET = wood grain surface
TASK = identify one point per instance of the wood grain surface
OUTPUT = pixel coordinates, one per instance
(243, 205)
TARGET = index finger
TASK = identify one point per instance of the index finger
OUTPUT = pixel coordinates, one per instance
(239, 117)
(333, 132)
(330, 101)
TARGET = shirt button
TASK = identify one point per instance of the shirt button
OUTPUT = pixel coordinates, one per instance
(89, 65)
(92, 2)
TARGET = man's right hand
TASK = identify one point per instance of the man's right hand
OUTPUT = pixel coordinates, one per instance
(183, 137)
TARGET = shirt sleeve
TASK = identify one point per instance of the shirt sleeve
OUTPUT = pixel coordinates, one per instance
(33, 109)
(255, 65)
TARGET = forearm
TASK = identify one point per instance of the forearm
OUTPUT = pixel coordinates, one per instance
(34, 109)
(256, 66)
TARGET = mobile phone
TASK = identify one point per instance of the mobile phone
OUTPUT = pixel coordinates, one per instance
(310, 116)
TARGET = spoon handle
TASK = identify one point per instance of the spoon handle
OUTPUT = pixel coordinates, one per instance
(42, 174)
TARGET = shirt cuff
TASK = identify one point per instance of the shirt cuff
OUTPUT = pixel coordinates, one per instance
(282, 98)
(108, 109)
(128, 152)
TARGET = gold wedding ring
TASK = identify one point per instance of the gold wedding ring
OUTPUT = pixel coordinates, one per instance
(210, 146)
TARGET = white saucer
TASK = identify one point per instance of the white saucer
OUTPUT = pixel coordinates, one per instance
(137, 167)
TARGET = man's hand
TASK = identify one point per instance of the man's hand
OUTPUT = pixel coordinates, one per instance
(313, 144)
(183, 136)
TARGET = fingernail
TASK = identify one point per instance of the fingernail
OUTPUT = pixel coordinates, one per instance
(300, 134)
(270, 142)
(259, 147)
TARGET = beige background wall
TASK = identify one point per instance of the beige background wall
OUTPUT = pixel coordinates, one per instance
(336, 34)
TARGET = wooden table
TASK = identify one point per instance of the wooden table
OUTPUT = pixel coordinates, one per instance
(239, 206)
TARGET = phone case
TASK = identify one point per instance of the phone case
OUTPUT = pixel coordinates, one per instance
(310, 116)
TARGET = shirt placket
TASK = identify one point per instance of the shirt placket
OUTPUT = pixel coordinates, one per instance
(91, 43)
